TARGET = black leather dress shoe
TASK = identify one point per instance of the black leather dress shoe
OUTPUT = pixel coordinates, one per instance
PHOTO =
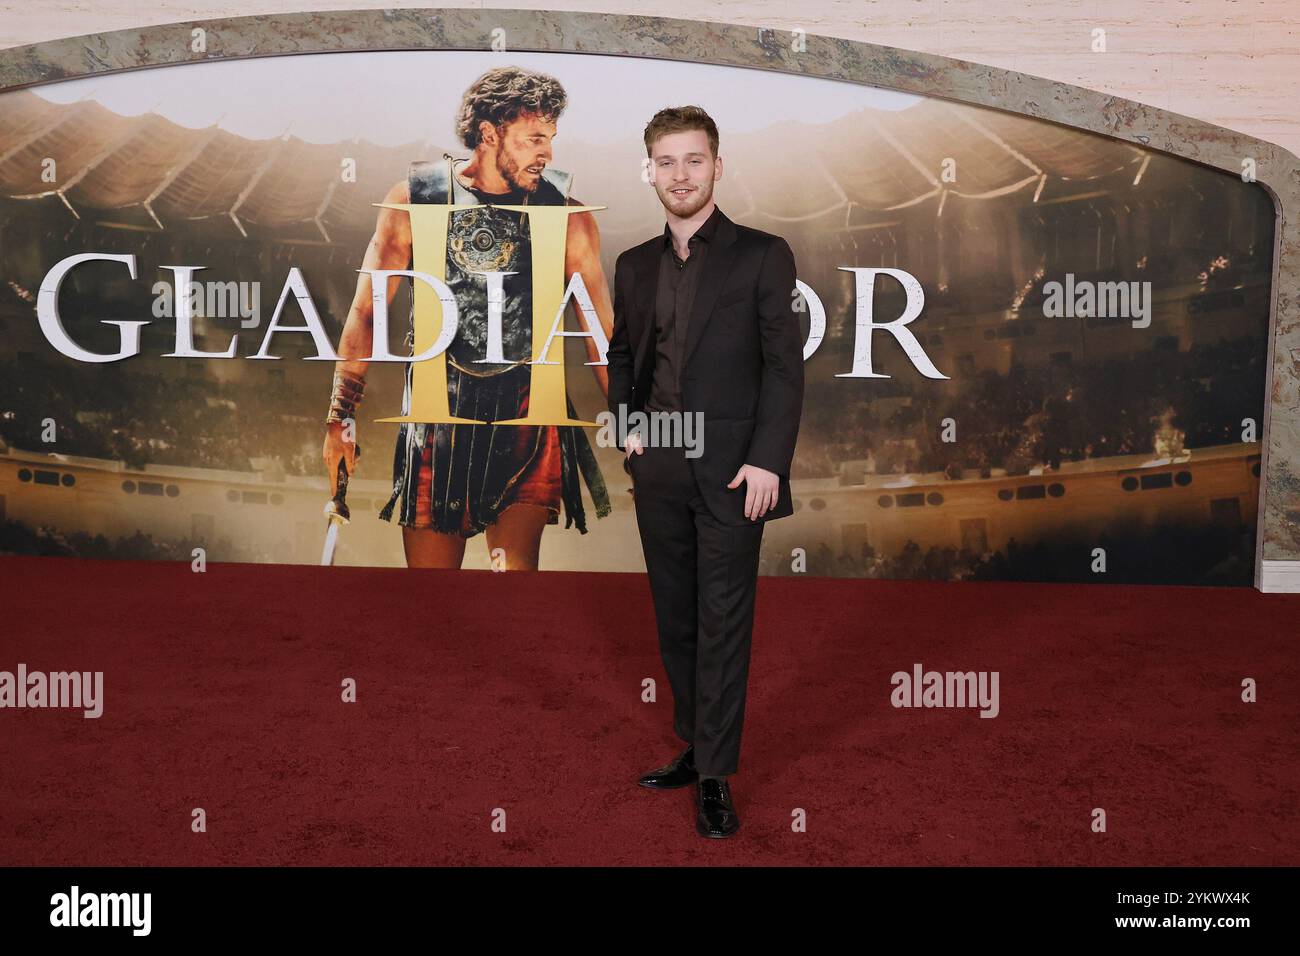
(680, 773)
(717, 814)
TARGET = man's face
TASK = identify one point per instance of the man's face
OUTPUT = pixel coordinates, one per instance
(524, 151)
(684, 171)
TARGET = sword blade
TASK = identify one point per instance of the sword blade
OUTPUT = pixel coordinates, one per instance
(336, 511)
(331, 539)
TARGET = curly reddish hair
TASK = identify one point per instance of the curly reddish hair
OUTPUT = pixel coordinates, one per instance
(679, 119)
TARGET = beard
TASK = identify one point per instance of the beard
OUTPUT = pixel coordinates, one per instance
(510, 172)
(691, 204)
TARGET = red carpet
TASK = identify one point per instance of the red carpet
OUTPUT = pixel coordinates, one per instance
(522, 691)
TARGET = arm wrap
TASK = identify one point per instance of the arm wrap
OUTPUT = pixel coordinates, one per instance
(345, 397)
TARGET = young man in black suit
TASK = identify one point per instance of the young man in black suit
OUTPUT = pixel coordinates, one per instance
(705, 327)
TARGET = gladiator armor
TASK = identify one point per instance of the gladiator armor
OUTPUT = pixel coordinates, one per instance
(475, 468)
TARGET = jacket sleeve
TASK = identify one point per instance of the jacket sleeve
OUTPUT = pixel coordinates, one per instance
(619, 354)
(780, 399)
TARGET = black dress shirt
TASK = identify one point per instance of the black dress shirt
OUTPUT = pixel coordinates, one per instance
(678, 279)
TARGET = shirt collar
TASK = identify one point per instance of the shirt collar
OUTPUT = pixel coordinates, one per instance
(705, 232)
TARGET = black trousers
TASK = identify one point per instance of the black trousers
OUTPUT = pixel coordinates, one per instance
(703, 579)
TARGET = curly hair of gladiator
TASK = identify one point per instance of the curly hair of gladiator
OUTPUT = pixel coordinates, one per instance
(502, 94)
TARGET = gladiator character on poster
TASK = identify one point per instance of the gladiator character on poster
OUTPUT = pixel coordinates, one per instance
(452, 481)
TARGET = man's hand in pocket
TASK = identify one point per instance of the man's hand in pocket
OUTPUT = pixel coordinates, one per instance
(631, 447)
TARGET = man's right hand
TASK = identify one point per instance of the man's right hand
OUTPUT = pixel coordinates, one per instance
(630, 447)
(335, 448)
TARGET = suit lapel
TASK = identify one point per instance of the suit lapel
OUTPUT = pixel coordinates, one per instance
(647, 293)
(717, 265)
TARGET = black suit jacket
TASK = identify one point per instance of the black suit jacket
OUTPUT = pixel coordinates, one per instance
(743, 358)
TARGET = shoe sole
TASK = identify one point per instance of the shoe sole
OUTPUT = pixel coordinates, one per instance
(704, 832)
(660, 786)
